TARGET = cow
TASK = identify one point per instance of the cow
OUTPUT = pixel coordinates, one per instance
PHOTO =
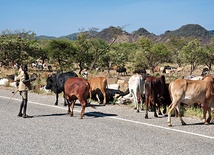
(98, 84)
(190, 92)
(111, 95)
(180, 70)
(136, 85)
(205, 71)
(121, 70)
(56, 83)
(139, 71)
(156, 91)
(156, 69)
(76, 88)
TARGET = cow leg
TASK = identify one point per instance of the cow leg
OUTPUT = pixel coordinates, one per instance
(179, 115)
(65, 104)
(147, 105)
(57, 96)
(171, 107)
(141, 102)
(135, 100)
(159, 110)
(72, 108)
(205, 109)
(104, 96)
(154, 101)
(97, 96)
(209, 115)
(69, 105)
(83, 103)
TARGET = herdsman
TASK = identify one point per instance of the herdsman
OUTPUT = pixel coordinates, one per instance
(23, 87)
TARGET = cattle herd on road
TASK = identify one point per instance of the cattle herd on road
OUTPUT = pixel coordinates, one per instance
(152, 91)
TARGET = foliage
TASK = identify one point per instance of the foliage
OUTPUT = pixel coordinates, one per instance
(151, 54)
(63, 51)
(191, 54)
(175, 45)
(17, 47)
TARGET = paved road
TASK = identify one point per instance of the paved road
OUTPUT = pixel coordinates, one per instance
(110, 129)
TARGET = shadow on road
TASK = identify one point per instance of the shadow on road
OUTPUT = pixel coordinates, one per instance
(48, 115)
(98, 114)
(200, 123)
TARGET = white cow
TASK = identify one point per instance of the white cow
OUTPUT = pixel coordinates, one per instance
(136, 85)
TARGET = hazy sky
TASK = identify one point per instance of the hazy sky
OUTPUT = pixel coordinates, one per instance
(63, 17)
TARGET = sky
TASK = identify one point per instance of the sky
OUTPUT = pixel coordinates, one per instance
(63, 17)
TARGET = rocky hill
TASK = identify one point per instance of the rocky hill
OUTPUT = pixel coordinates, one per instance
(108, 34)
(190, 30)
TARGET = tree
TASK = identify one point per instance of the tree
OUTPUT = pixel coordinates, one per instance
(98, 49)
(175, 44)
(83, 57)
(63, 51)
(17, 47)
(151, 54)
(191, 54)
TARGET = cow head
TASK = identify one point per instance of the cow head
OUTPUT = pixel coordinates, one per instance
(50, 83)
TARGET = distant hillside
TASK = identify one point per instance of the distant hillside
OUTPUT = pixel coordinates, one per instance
(141, 31)
(108, 34)
(72, 36)
(211, 32)
(42, 37)
(190, 30)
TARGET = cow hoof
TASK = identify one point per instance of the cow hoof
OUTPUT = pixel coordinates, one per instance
(138, 110)
(169, 124)
(206, 123)
(146, 117)
(56, 104)
(183, 123)
(156, 115)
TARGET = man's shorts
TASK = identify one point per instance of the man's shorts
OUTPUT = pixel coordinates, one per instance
(24, 94)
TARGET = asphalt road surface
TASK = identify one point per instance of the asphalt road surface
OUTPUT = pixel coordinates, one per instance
(106, 130)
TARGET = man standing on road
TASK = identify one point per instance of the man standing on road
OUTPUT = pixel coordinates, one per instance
(23, 87)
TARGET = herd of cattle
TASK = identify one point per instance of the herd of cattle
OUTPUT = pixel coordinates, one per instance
(151, 91)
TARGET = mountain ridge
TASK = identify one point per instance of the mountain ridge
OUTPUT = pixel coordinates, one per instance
(107, 34)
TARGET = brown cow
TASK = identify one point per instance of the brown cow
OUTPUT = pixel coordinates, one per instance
(190, 92)
(155, 91)
(76, 88)
(96, 84)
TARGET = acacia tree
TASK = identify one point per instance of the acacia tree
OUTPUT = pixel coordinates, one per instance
(175, 45)
(116, 55)
(63, 51)
(151, 54)
(99, 48)
(17, 46)
(207, 56)
(191, 54)
(83, 56)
